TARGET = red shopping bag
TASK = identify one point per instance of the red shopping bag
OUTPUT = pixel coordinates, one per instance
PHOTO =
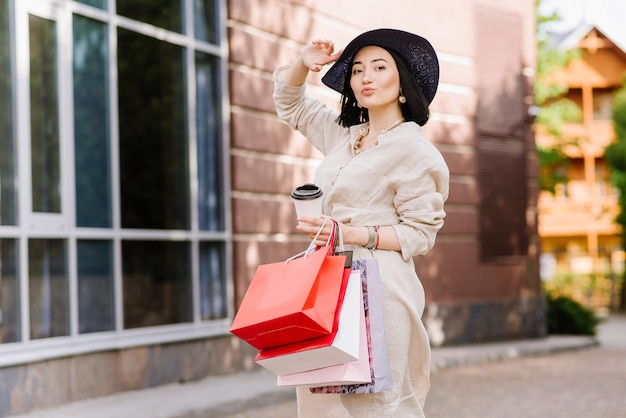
(291, 301)
(341, 346)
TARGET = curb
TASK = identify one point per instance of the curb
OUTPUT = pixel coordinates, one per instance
(220, 396)
(450, 357)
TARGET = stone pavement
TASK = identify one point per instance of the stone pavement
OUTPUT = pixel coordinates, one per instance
(249, 392)
(587, 383)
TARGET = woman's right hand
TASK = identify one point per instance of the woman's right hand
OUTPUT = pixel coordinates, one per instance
(319, 53)
(313, 57)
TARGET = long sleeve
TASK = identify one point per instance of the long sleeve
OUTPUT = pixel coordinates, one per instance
(308, 115)
(419, 202)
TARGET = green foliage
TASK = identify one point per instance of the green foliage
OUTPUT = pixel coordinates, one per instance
(550, 59)
(615, 153)
(553, 107)
(619, 112)
(618, 177)
(553, 166)
(567, 316)
(553, 113)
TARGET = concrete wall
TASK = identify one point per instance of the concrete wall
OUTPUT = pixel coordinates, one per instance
(24, 388)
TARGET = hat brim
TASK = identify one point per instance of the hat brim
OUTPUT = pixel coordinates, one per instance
(416, 51)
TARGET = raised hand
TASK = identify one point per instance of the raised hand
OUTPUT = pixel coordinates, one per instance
(319, 53)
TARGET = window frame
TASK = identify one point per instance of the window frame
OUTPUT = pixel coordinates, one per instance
(38, 226)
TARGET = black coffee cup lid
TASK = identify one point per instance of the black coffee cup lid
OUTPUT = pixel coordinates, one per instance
(307, 191)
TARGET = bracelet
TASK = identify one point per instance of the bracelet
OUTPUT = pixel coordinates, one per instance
(373, 237)
(371, 241)
(377, 237)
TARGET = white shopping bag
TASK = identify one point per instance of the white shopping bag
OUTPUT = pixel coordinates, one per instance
(357, 371)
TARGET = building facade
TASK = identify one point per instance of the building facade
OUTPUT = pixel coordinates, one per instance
(144, 175)
(581, 243)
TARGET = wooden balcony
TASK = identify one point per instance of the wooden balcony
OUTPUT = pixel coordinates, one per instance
(560, 217)
(591, 139)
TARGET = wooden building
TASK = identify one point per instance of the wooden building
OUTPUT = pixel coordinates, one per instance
(579, 236)
(144, 175)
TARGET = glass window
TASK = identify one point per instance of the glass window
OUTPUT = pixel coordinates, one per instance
(8, 198)
(91, 125)
(157, 283)
(205, 20)
(130, 169)
(100, 4)
(48, 288)
(9, 292)
(167, 14)
(154, 169)
(44, 117)
(210, 193)
(96, 311)
(213, 300)
(602, 104)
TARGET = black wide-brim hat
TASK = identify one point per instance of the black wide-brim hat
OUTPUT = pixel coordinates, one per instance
(417, 52)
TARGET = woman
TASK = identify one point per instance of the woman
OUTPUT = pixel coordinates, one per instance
(385, 185)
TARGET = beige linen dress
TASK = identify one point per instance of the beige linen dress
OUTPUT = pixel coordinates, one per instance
(403, 182)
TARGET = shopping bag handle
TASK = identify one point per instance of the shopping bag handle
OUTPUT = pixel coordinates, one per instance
(312, 247)
(339, 239)
(335, 239)
(339, 249)
(334, 244)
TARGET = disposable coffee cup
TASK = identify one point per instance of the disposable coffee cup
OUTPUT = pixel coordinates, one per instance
(308, 201)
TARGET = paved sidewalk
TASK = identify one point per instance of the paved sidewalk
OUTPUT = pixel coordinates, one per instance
(223, 395)
(586, 383)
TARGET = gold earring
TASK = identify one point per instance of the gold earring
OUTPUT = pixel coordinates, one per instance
(401, 99)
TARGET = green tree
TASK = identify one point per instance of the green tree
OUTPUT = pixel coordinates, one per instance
(552, 107)
(615, 155)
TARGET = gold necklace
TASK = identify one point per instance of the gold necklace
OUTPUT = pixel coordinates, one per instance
(366, 130)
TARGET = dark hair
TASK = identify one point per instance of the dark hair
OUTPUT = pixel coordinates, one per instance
(414, 109)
